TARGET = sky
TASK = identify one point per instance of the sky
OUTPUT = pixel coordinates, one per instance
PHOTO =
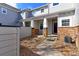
(26, 5)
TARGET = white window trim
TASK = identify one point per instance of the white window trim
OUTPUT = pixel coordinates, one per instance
(3, 9)
(64, 25)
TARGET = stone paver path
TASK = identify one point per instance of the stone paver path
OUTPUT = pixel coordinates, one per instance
(46, 50)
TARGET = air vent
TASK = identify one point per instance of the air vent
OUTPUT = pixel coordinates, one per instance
(67, 39)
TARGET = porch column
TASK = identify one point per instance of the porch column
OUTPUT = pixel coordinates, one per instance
(45, 27)
(23, 23)
(33, 28)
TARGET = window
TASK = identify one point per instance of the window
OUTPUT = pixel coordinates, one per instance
(27, 24)
(65, 22)
(41, 26)
(4, 11)
(42, 10)
(55, 4)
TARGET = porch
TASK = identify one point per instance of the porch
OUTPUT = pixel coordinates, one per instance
(45, 27)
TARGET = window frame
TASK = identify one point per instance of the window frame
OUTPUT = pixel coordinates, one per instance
(66, 22)
(41, 26)
(4, 9)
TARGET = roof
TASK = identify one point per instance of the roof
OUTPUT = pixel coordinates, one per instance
(9, 7)
(29, 10)
(40, 7)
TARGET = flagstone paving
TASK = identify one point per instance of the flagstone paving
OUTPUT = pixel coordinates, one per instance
(50, 46)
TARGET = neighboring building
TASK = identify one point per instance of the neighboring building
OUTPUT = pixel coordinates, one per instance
(9, 15)
(60, 19)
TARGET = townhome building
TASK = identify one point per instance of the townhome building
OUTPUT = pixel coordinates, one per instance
(59, 19)
(52, 19)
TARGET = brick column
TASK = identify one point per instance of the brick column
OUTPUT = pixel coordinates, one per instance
(45, 27)
(33, 28)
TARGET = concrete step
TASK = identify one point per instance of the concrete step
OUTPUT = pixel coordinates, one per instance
(51, 38)
(52, 35)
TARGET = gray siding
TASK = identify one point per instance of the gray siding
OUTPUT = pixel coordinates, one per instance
(9, 41)
(11, 18)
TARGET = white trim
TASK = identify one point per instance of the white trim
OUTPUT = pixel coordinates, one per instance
(23, 24)
(32, 24)
(2, 9)
(45, 23)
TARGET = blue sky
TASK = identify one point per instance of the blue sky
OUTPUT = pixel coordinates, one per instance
(29, 5)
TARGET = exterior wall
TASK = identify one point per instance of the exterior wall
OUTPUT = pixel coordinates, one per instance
(77, 22)
(37, 26)
(26, 14)
(67, 31)
(72, 23)
(67, 15)
(77, 14)
(38, 12)
(9, 41)
(70, 30)
(50, 26)
(53, 9)
(10, 18)
(25, 31)
(61, 7)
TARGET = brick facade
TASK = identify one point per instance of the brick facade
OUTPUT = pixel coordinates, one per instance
(73, 32)
(34, 32)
